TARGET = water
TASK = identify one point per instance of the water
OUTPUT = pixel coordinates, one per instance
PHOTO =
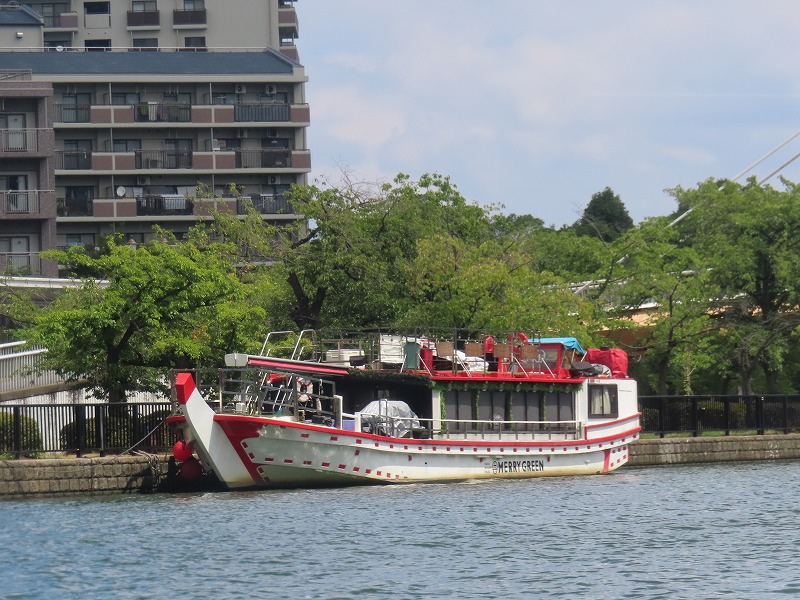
(708, 531)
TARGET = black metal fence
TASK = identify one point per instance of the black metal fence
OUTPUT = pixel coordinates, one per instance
(723, 415)
(31, 430)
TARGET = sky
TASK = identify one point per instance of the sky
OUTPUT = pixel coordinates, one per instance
(536, 105)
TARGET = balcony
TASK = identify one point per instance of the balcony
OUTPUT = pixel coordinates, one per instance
(168, 112)
(19, 202)
(266, 205)
(71, 113)
(279, 158)
(146, 18)
(163, 159)
(20, 263)
(73, 160)
(63, 17)
(18, 140)
(261, 111)
(151, 205)
(75, 207)
(190, 18)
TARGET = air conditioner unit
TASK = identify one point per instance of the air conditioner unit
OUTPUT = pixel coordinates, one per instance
(142, 180)
(270, 89)
(241, 133)
(215, 144)
(273, 179)
(241, 88)
(273, 133)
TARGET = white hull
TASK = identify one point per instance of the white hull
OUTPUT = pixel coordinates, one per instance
(283, 454)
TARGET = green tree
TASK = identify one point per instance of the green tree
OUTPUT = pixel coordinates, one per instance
(490, 286)
(668, 286)
(138, 313)
(604, 217)
(349, 267)
(747, 235)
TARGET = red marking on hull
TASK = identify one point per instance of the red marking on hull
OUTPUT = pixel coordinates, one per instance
(606, 460)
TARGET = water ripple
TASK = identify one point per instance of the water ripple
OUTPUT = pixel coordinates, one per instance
(703, 531)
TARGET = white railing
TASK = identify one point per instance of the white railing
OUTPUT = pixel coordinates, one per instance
(17, 368)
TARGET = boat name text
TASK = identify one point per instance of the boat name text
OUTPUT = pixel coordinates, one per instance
(517, 466)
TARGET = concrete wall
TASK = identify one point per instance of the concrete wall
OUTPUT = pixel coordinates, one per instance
(669, 451)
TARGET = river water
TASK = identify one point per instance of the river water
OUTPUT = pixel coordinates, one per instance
(710, 531)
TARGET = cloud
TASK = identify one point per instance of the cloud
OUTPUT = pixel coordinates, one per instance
(539, 105)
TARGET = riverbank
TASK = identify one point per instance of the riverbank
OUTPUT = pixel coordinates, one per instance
(673, 451)
(153, 473)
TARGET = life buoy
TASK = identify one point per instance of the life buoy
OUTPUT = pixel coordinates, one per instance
(517, 340)
(520, 337)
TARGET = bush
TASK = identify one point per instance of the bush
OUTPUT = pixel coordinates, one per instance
(30, 437)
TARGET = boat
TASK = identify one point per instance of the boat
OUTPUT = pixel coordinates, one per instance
(316, 410)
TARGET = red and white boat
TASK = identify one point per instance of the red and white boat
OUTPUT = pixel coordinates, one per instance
(406, 409)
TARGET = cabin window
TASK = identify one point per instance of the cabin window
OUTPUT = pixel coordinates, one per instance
(603, 401)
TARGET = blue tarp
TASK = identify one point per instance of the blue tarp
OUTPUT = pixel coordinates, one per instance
(569, 342)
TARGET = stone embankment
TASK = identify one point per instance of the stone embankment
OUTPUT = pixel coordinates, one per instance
(81, 476)
(672, 451)
(148, 473)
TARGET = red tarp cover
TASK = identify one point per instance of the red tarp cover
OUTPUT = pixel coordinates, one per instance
(615, 359)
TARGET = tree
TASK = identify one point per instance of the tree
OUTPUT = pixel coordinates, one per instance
(605, 217)
(747, 235)
(138, 313)
(349, 268)
(491, 287)
(667, 281)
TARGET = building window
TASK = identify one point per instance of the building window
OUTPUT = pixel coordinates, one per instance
(125, 98)
(75, 107)
(80, 239)
(144, 5)
(195, 42)
(97, 45)
(78, 201)
(142, 43)
(97, 8)
(194, 4)
(603, 401)
(127, 145)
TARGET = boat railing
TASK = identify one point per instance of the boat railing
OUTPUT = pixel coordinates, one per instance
(460, 352)
(460, 429)
(265, 393)
(289, 344)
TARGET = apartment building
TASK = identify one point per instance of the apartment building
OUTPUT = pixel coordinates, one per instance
(113, 114)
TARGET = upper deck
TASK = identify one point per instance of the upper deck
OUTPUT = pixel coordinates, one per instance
(516, 357)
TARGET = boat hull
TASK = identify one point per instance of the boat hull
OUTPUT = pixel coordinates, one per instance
(275, 453)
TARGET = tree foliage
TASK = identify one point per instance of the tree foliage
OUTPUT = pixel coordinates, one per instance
(747, 235)
(705, 304)
(604, 217)
(138, 313)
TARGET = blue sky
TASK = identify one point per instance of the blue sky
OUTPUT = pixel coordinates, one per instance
(537, 105)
